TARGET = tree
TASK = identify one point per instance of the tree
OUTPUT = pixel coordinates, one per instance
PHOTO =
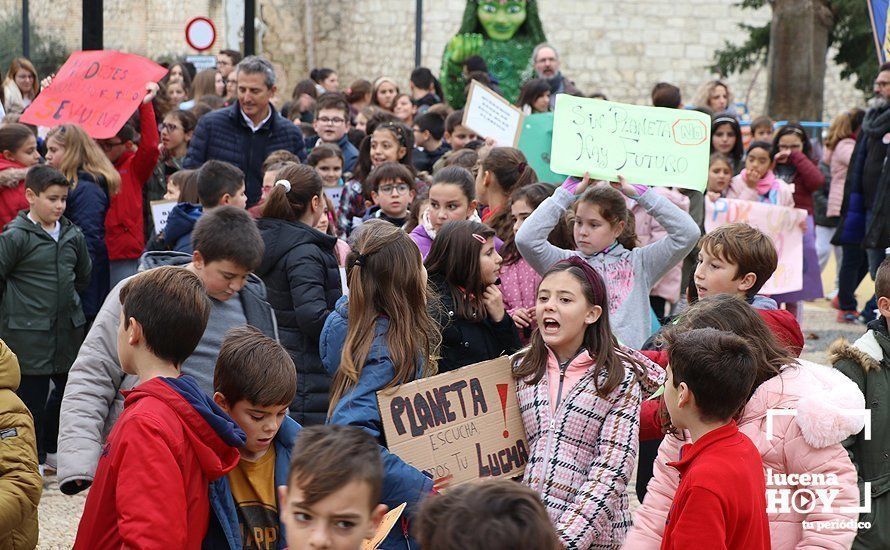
(47, 53)
(794, 46)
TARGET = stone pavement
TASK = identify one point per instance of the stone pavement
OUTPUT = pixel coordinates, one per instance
(59, 514)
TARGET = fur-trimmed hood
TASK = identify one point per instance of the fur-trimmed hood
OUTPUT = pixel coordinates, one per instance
(820, 395)
(867, 351)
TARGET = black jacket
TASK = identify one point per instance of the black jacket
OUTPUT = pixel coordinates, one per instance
(466, 342)
(86, 208)
(303, 285)
(224, 135)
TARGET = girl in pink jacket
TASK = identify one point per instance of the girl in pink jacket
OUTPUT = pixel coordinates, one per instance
(757, 182)
(519, 281)
(797, 416)
(579, 395)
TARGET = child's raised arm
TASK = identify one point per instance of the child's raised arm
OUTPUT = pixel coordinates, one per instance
(659, 257)
(531, 239)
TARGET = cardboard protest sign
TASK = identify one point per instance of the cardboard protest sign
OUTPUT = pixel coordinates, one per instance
(491, 116)
(535, 142)
(464, 423)
(779, 223)
(159, 212)
(386, 525)
(646, 145)
(97, 90)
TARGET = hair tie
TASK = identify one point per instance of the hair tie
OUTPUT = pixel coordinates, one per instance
(521, 167)
(360, 260)
(285, 184)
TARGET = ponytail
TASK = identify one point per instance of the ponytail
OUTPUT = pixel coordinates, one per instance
(292, 194)
(511, 171)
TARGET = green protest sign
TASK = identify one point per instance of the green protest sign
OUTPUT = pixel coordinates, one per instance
(646, 145)
(534, 142)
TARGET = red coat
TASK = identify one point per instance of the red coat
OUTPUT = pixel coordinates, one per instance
(12, 190)
(807, 180)
(124, 232)
(151, 485)
(721, 499)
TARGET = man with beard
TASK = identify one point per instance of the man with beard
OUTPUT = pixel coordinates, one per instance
(545, 61)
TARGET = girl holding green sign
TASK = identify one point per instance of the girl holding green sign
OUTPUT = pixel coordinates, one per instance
(604, 238)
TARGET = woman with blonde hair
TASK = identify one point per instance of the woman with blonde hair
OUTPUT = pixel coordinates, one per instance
(715, 95)
(21, 85)
(70, 150)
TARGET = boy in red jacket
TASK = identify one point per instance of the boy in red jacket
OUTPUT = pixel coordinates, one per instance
(124, 233)
(721, 499)
(172, 440)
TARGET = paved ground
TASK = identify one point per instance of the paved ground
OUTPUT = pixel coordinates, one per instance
(59, 514)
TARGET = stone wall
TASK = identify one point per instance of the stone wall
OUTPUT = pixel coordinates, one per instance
(618, 48)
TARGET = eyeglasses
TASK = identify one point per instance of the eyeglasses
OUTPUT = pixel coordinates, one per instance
(401, 189)
(168, 127)
(336, 121)
(108, 146)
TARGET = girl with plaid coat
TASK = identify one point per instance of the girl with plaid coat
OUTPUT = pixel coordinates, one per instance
(579, 395)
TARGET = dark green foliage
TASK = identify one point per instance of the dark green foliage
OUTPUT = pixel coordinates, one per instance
(47, 52)
(851, 36)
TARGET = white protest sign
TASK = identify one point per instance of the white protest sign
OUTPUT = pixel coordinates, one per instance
(159, 212)
(491, 116)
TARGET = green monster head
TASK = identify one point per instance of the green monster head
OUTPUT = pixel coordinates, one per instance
(501, 18)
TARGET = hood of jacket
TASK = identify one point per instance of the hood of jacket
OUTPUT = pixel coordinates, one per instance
(11, 173)
(877, 120)
(10, 374)
(868, 351)
(763, 302)
(821, 396)
(181, 221)
(213, 435)
(158, 258)
(282, 236)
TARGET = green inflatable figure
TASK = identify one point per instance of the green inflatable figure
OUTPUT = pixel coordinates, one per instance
(503, 33)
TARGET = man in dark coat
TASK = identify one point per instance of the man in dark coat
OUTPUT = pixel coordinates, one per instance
(545, 61)
(865, 213)
(246, 132)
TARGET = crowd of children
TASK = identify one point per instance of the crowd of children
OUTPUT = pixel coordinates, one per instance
(213, 379)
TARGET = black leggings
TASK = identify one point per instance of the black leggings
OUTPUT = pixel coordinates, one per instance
(44, 407)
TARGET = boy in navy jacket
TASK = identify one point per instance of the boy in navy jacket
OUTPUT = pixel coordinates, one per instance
(254, 382)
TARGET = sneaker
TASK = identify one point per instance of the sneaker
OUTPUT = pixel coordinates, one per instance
(42, 469)
(51, 463)
(847, 317)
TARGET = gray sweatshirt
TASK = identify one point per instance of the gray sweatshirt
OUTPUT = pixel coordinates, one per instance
(629, 274)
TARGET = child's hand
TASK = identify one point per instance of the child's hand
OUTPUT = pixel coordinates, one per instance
(713, 196)
(442, 483)
(151, 90)
(803, 225)
(575, 186)
(44, 84)
(752, 177)
(782, 157)
(626, 189)
(494, 303)
(523, 318)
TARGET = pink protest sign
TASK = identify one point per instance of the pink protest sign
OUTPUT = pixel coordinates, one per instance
(97, 90)
(780, 223)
